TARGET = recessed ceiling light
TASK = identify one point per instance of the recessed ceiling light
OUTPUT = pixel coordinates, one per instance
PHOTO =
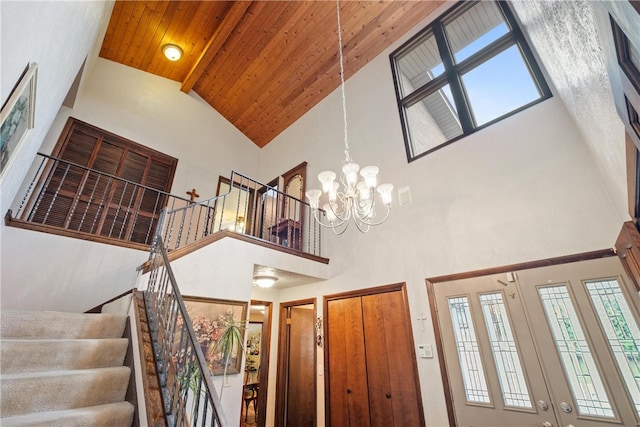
(173, 52)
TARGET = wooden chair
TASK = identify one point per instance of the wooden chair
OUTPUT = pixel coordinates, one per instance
(250, 395)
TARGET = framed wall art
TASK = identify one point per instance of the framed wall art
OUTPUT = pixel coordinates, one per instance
(210, 317)
(17, 115)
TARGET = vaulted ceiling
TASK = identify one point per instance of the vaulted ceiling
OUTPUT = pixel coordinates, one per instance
(261, 64)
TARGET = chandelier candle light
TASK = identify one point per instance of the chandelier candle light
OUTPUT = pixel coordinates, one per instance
(357, 199)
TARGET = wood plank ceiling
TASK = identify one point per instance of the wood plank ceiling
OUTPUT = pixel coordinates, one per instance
(261, 64)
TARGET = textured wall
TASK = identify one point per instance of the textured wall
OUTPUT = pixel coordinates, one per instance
(565, 36)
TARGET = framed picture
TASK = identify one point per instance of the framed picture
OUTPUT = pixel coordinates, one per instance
(210, 317)
(17, 114)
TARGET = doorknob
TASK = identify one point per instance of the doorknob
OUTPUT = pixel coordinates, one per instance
(348, 391)
(566, 408)
(542, 405)
(388, 395)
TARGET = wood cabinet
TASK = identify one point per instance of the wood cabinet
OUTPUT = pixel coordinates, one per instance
(371, 377)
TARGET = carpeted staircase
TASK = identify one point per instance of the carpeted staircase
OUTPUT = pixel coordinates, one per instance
(63, 369)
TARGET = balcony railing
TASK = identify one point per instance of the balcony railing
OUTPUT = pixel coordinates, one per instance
(248, 207)
(98, 206)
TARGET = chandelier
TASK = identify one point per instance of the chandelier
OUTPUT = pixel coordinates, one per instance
(356, 200)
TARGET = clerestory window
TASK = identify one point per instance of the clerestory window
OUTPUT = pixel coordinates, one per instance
(468, 69)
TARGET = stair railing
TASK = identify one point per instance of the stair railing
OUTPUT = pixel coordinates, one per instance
(249, 207)
(188, 392)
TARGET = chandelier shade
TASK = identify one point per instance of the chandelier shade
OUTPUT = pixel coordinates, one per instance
(355, 201)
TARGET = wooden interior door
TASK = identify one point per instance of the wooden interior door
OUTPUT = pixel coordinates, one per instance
(347, 395)
(296, 383)
(371, 377)
(391, 366)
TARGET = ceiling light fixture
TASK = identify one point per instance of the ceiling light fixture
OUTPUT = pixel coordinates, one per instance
(265, 281)
(357, 200)
(173, 52)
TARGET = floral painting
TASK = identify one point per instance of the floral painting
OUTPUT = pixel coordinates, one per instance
(16, 117)
(210, 318)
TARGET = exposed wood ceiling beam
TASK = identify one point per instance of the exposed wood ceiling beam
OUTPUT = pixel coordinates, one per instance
(220, 35)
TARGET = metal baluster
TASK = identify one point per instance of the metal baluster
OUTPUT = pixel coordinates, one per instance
(127, 211)
(102, 205)
(55, 196)
(115, 217)
(155, 209)
(86, 209)
(29, 189)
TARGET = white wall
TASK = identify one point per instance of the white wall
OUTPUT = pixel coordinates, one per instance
(58, 36)
(526, 188)
(146, 109)
(152, 111)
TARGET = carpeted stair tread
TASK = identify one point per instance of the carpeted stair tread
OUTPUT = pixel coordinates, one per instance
(31, 355)
(52, 324)
(108, 415)
(58, 390)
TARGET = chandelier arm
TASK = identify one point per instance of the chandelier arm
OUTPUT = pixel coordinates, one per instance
(371, 223)
(362, 212)
(359, 225)
(344, 216)
(330, 225)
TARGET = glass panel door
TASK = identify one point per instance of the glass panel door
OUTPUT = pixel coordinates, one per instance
(495, 377)
(574, 347)
(557, 345)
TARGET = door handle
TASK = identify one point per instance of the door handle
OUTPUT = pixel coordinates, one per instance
(388, 395)
(348, 391)
(542, 405)
(566, 408)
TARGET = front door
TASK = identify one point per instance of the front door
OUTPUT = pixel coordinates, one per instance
(552, 346)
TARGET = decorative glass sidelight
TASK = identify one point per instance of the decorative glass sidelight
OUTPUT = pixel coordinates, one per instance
(475, 384)
(578, 363)
(505, 353)
(621, 330)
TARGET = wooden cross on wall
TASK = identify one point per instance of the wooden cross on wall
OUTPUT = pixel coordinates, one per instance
(192, 195)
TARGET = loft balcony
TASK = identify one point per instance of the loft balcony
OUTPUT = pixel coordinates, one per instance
(68, 199)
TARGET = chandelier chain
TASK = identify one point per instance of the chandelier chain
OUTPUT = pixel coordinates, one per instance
(357, 199)
(344, 99)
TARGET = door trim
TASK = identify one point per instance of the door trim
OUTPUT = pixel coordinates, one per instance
(282, 376)
(265, 350)
(430, 282)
